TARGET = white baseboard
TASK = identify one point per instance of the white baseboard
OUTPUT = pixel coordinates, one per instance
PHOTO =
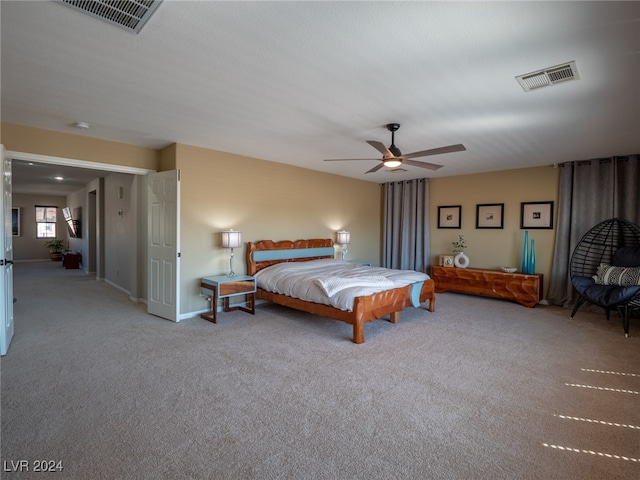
(109, 282)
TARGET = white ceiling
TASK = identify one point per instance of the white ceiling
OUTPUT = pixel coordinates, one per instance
(50, 178)
(299, 82)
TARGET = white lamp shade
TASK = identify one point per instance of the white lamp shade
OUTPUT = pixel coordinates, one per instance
(343, 238)
(231, 239)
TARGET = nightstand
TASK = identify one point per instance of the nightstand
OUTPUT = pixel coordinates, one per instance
(224, 287)
(71, 261)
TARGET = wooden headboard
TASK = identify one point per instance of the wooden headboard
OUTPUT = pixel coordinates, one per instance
(267, 252)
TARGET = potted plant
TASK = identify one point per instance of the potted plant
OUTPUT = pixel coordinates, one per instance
(55, 246)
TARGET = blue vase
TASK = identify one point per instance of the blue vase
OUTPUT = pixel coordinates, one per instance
(525, 253)
(532, 258)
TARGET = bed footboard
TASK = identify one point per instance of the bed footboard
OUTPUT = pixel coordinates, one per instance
(366, 309)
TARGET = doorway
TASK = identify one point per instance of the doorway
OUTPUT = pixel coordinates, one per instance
(79, 175)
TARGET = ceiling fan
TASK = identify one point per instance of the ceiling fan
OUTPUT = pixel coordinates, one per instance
(392, 156)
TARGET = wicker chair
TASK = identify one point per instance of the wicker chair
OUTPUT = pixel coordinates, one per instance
(604, 244)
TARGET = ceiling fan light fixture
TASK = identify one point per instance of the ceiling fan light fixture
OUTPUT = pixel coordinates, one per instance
(392, 163)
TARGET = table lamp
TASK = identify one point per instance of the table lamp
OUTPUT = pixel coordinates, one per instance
(231, 239)
(343, 238)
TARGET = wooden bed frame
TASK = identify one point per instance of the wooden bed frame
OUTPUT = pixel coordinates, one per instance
(365, 309)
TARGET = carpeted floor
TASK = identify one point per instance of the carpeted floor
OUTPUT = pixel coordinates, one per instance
(480, 389)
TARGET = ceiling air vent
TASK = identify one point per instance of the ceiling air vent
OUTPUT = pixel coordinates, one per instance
(548, 76)
(131, 15)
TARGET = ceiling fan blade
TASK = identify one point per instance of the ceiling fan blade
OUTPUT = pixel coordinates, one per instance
(348, 159)
(430, 166)
(376, 168)
(435, 151)
(381, 147)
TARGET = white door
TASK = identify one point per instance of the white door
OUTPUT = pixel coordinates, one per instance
(6, 250)
(163, 241)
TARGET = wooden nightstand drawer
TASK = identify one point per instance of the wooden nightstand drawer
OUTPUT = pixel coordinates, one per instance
(236, 288)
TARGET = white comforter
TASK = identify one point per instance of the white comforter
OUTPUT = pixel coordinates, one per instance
(313, 281)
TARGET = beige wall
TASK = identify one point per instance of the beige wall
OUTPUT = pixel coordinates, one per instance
(65, 145)
(264, 200)
(493, 248)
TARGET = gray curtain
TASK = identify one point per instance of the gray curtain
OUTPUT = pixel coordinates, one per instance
(405, 242)
(590, 192)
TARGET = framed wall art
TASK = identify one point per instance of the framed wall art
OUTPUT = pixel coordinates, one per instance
(449, 216)
(15, 221)
(446, 261)
(536, 215)
(490, 215)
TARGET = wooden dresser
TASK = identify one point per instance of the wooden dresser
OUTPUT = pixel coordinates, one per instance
(525, 289)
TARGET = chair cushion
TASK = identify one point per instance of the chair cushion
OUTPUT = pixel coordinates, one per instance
(626, 257)
(605, 296)
(621, 276)
(582, 284)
